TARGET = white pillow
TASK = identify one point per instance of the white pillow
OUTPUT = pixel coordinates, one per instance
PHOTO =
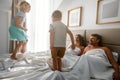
(115, 55)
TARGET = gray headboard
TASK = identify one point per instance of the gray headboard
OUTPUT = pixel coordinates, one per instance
(111, 37)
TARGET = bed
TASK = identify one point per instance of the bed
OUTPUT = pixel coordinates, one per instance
(38, 66)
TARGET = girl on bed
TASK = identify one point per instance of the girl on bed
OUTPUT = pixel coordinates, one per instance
(18, 30)
(79, 46)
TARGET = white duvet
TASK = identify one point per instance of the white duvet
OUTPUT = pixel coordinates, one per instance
(94, 65)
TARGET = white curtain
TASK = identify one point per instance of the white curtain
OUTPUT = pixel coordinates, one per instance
(38, 24)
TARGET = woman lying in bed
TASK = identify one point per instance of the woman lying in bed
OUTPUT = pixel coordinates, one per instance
(95, 46)
(79, 46)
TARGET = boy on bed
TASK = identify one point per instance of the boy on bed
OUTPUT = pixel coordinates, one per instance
(58, 32)
(95, 42)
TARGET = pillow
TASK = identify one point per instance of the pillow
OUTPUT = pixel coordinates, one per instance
(115, 55)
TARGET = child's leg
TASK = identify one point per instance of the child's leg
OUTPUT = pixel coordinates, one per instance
(23, 48)
(55, 64)
(60, 55)
(59, 64)
(54, 58)
(13, 56)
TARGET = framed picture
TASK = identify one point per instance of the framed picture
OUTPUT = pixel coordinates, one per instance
(108, 11)
(74, 17)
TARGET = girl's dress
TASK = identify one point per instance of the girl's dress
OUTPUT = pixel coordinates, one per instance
(17, 33)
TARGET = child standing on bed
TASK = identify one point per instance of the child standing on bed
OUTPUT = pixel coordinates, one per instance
(58, 32)
(18, 30)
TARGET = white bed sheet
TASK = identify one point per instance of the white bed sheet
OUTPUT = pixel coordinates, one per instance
(74, 68)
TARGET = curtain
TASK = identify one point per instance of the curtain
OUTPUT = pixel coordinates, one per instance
(12, 44)
(38, 23)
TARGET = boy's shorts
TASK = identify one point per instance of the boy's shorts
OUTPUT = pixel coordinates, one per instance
(58, 52)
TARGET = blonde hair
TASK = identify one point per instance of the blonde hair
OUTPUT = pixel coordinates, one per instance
(23, 5)
(57, 14)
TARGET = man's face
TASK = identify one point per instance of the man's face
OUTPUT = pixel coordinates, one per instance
(93, 40)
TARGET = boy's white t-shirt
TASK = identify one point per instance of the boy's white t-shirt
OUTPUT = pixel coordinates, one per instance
(60, 30)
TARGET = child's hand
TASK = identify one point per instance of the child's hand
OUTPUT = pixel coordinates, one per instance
(51, 47)
(25, 29)
(73, 46)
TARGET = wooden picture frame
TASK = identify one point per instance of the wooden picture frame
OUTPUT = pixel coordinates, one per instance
(74, 17)
(108, 11)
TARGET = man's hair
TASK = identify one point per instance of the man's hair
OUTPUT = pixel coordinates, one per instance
(99, 37)
(57, 14)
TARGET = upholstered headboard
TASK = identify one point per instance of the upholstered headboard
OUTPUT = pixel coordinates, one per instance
(111, 37)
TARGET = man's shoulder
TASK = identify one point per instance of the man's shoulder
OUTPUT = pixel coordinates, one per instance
(89, 46)
(105, 48)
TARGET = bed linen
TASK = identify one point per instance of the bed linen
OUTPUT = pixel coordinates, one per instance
(93, 65)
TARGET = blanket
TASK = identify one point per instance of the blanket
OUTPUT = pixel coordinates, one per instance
(75, 51)
(94, 65)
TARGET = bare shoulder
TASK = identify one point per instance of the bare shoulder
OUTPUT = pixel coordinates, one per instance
(86, 48)
(107, 50)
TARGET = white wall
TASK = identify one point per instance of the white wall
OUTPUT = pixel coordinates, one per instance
(5, 15)
(56, 3)
(5, 4)
(88, 13)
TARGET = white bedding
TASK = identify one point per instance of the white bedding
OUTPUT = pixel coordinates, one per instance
(94, 64)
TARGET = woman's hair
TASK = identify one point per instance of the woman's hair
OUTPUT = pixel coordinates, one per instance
(81, 40)
(23, 5)
(99, 37)
(57, 14)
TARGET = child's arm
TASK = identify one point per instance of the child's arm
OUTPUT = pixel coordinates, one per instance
(51, 38)
(25, 25)
(17, 23)
(72, 39)
(68, 46)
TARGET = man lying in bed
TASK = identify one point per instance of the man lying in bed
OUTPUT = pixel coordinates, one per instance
(95, 42)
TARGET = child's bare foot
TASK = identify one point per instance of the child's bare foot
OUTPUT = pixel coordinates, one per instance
(23, 51)
(52, 69)
(13, 57)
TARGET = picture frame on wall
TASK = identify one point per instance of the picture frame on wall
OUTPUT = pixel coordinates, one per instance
(108, 11)
(74, 17)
